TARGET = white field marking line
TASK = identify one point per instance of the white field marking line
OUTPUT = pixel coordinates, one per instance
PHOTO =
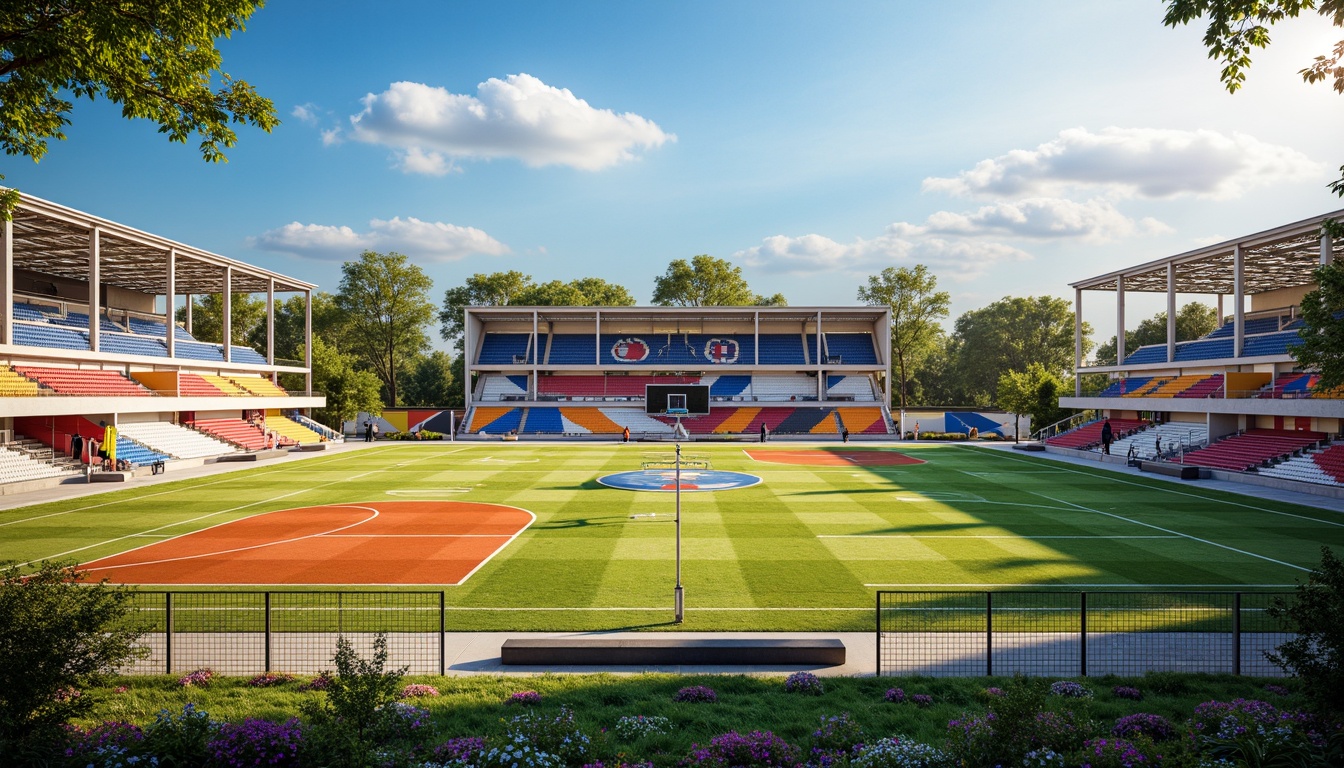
(1012, 474)
(1071, 585)
(489, 459)
(970, 536)
(428, 492)
(212, 514)
(413, 535)
(998, 454)
(982, 501)
(231, 478)
(661, 608)
(1168, 530)
(247, 548)
(501, 547)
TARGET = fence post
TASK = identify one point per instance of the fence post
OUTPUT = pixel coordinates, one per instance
(989, 634)
(878, 644)
(267, 609)
(1082, 639)
(168, 632)
(1236, 633)
(443, 630)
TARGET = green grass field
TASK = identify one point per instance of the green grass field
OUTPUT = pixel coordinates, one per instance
(806, 549)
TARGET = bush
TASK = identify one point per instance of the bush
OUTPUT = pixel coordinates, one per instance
(418, 691)
(632, 727)
(805, 683)
(257, 742)
(1316, 614)
(181, 739)
(758, 749)
(901, 752)
(270, 679)
(1155, 727)
(524, 698)
(696, 693)
(559, 736)
(56, 635)
(356, 716)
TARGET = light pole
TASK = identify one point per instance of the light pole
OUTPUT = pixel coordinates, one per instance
(678, 595)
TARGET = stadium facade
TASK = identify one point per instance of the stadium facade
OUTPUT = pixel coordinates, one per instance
(88, 338)
(1234, 401)
(578, 371)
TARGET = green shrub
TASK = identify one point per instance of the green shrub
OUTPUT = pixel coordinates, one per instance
(349, 727)
(57, 638)
(1316, 655)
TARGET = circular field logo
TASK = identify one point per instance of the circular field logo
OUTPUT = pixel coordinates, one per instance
(691, 480)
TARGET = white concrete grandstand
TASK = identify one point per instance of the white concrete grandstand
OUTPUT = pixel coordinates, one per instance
(1234, 401)
(88, 336)
(575, 371)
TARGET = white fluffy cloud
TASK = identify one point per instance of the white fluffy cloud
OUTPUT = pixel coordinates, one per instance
(421, 240)
(901, 245)
(1042, 218)
(519, 117)
(1132, 162)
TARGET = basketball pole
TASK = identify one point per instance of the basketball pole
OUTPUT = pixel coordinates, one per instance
(678, 595)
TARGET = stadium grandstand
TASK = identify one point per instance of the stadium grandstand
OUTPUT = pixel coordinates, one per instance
(88, 337)
(575, 371)
(1234, 401)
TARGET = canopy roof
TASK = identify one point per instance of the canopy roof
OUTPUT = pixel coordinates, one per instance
(54, 240)
(1277, 258)
(682, 315)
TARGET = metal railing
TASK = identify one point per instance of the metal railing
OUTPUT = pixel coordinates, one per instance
(1067, 634)
(247, 633)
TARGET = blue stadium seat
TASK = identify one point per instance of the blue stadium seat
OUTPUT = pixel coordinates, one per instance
(572, 349)
(502, 348)
(544, 421)
(851, 348)
(137, 454)
(35, 335)
(782, 349)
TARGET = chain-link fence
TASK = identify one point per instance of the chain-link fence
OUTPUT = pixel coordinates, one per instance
(246, 633)
(1063, 634)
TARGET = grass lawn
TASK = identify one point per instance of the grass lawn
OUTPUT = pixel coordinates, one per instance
(806, 549)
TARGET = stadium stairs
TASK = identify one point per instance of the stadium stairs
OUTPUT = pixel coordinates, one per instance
(22, 460)
(1089, 435)
(1253, 448)
(1322, 467)
(238, 432)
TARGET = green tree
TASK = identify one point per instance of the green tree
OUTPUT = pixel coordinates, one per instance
(157, 60)
(1010, 335)
(386, 307)
(1315, 615)
(56, 636)
(916, 308)
(600, 293)
(1022, 392)
(289, 322)
(706, 281)
(348, 390)
(247, 318)
(1238, 26)
(497, 289)
(1192, 321)
(431, 381)
(1322, 332)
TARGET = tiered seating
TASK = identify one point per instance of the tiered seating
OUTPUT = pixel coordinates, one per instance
(1288, 385)
(1205, 349)
(236, 431)
(1322, 467)
(195, 385)
(34, 335)
(495, 421)
(543, 421)
(638, 421)
(729, 386)
(1089, 435)
(1251, 326)
(1270, 344)
(70, 381)
(572, 349)
(850, 387)
(292, 431)
(1174, 434)
(1208, 386)
(247, 355)
(138, 455)
(784, 387)
(495, 387)
(810, 349)
(81, 320)
(1146, 389)
(224, 385)
(145, 327)
(195, 350)
(320, 429)
(1252, 448)
(13, 384)
(505, 349)
(1153, 353)
(1120, 387)
(31, 312)
(598, 386)
(130, 344)
(851, 348)
(1173, 387)
(588, 421)
(782, 349)
(259, 386)
(16, 466)
(173, 440)
(863, 421)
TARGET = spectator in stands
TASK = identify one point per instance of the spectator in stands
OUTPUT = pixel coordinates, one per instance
(765, 432)
(1106, 437)
(844, 434)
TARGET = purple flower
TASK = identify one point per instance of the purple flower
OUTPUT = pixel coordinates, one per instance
(1277, 690)
(1126, 692)
(524, 698)
(758, 749)
(417, 691)
(1155, 727)
(993, 691)
(257, 742)
(111, 733)
(198, 679)
(1070, 689)
(459, 750)
(921, 700)
(696, 693)
(803, 682)
(894, 695)
(1113, 753)
(269, 679)
(320, 683)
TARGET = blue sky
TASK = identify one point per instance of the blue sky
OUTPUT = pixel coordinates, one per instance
(1011, 147)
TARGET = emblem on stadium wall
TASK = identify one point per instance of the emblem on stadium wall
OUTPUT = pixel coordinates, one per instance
(631, 350)
(721, 350)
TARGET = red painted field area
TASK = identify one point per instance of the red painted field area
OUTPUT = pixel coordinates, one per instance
(838, 458)
(369, 543)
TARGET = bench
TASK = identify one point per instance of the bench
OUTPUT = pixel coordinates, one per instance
(620, 651)
(1183, 471)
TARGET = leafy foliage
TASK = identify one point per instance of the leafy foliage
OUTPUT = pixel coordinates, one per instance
(156, 59)
(431, 381)
(57, 637)
(916, 309)
(385, 303)
(247, 313)
(707, 281)
(348, 390)
(1316, 614)
(360, 709)
(502, 289)
(1034, 391)
(1322, 332)
(1010, 335)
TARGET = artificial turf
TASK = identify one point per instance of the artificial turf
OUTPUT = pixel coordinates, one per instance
(806, 549)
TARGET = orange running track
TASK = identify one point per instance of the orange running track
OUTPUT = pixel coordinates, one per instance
(838, 458)
(369, 543)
